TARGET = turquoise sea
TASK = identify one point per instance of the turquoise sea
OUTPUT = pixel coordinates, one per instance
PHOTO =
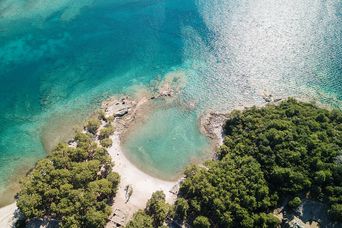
(60, 58)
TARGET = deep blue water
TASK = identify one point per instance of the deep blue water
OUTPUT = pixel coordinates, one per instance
(59, 59)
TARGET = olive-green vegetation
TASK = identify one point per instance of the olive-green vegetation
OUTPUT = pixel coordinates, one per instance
(93, 125)
(107, 142)
(140, 219)
(288, 151)
(72, 185)
(231, 192)
(201, 222)
(154, 215)
(102, 115)
(299, 148)
(295, 202)
(157, 208)
(106, 131)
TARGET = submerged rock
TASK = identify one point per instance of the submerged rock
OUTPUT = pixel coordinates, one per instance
(268, 98)
(121, 112)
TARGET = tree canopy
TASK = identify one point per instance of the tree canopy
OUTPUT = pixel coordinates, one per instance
(72, 185)
(155, 213)
(231, 192)
(298, 145)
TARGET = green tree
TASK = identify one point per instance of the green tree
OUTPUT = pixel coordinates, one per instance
(335, 212)
(106, 132)
(140, 219)
(295, 202)
(95, 218)
(157, 208)
(201, 222)
(92, 125)
(181, 208)
(107, 142)
(266, 221)
(296, 145)
(217, 192)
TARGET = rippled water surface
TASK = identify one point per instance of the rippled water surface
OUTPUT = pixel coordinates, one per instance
(59, 59)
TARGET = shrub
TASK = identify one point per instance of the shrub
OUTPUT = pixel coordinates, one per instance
(140, 219)
(107, 142)
(295, 203)
(335, 212)
(106, 132)
(201, 222)
(92, 125)
(181, 208)
(110, 119)
(102, 115)
(157, 208)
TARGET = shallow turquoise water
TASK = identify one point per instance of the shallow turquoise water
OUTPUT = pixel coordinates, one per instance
(167, 141)
(61, 58)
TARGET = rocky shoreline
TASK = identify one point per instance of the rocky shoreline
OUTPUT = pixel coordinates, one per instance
(212, 123)
(126, 109)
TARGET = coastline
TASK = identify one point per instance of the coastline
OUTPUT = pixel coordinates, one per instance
(143, 184)
(211, 123)
(58, 128)
(69, 58)
(126, 110)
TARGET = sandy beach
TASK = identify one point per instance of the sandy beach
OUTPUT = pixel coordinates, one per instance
(143, 184)
(7, 215)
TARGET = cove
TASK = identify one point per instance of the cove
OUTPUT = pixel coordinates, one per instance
(60, 59)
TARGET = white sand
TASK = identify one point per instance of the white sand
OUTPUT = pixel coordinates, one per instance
(143, 184)
(7, 215)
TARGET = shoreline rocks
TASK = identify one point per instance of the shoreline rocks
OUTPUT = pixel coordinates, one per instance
(211, 125)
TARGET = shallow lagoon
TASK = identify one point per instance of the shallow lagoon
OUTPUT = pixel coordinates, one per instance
(166, 141)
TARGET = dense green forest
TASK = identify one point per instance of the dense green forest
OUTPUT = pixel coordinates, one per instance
(287, 151)
(299, 148)
(73, 185)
